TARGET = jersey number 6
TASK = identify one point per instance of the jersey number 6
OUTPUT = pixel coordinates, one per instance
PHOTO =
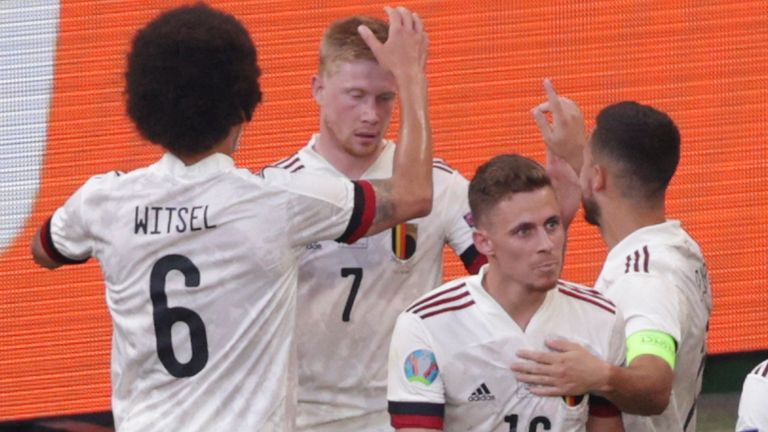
(165, 317)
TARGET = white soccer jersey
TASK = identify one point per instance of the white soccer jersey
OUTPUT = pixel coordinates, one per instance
(753, 405)
(451, 353)
(658, 278)
(350, 296)
(200, 264)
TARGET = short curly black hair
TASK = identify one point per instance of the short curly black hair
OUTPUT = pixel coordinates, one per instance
(192, 74)
(644, 143)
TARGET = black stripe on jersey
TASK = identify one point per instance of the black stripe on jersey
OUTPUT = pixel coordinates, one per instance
(434, 296)
(287, 162)
(441, 165)
(473, 259)
(635, 262)
(417, 408)
(761, 370)
(363, 212)
(298, 168)
(50, 248)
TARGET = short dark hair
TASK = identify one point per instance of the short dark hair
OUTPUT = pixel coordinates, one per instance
(192, 75)
(342, 43)
(643, 142)
(500, 177)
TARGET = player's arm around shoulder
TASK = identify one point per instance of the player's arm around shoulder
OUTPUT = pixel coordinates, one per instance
(408, 193)
(63, 237)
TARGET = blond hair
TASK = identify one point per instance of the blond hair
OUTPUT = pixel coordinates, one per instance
(342, 43)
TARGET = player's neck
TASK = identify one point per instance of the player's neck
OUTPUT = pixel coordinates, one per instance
(226, 146)
(351, 166)
(519, 301)
(621, 218)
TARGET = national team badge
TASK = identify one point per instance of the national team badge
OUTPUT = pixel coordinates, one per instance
(421, 367)
(572, 401)
(404, 240)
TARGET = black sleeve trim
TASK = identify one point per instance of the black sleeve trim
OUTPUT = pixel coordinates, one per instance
(417, 408)
(50, 247)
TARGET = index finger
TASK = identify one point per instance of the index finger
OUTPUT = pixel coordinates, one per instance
(395, 20)
(554, 100)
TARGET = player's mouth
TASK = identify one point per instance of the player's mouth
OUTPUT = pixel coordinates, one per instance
(548, 266)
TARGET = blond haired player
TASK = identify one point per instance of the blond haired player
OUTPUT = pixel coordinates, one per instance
(199, 257)
(449, 363)
(350, 295)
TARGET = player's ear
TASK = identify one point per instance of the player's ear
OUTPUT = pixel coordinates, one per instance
(317, 87)
(482, 241)
(599, 177)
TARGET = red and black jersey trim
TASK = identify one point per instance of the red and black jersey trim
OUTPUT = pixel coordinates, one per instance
(50, 248)
(433, 305)
(638, 261)
(473, 259)
(423, 415)
(363, 212)
(602, 407)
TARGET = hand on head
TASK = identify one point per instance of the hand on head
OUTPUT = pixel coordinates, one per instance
(405, 51)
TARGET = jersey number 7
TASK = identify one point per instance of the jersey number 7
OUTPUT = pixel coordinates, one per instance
(357, 274)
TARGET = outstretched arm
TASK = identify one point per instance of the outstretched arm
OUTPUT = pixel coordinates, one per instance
(408, 193)
(642, 388)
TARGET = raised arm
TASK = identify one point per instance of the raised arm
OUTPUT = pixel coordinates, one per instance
(565, 136)
(408, 193)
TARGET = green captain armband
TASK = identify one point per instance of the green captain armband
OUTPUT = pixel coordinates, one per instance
(652, 342)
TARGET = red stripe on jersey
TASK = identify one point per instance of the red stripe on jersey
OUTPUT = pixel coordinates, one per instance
(369, 211)
(402, 421)
(435, 295)
(441, 301)
(765, 370)
(448, 309)
(587, 291)
(442, 168)
(587, 299)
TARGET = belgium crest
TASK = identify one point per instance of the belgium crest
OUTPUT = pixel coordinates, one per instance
(404, 240)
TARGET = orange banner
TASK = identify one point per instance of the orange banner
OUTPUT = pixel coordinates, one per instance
(705, 63)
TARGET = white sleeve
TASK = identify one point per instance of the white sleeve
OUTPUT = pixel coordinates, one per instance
(458, 216)
(66, 237)
(753, 405)
(648, 303)
(324, 207)
(414, 386)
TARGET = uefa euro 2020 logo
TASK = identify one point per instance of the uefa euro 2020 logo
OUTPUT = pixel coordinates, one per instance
(421, 367)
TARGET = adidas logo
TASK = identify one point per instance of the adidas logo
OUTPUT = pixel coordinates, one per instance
(481, 394)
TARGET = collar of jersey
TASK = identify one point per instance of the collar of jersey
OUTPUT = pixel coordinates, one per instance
(381, 168)
(213, 164)
(493, 310)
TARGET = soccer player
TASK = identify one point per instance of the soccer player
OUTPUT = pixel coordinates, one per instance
(753, 405)
(654, 271)
(350, 294)
(452, 348)
(199, 257)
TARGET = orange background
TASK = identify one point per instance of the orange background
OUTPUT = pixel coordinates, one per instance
(702, 62)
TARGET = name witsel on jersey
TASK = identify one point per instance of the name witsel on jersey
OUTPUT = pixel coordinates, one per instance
(165, 220)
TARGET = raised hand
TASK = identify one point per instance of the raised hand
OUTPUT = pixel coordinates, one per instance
(565, 135)
(405, 51)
